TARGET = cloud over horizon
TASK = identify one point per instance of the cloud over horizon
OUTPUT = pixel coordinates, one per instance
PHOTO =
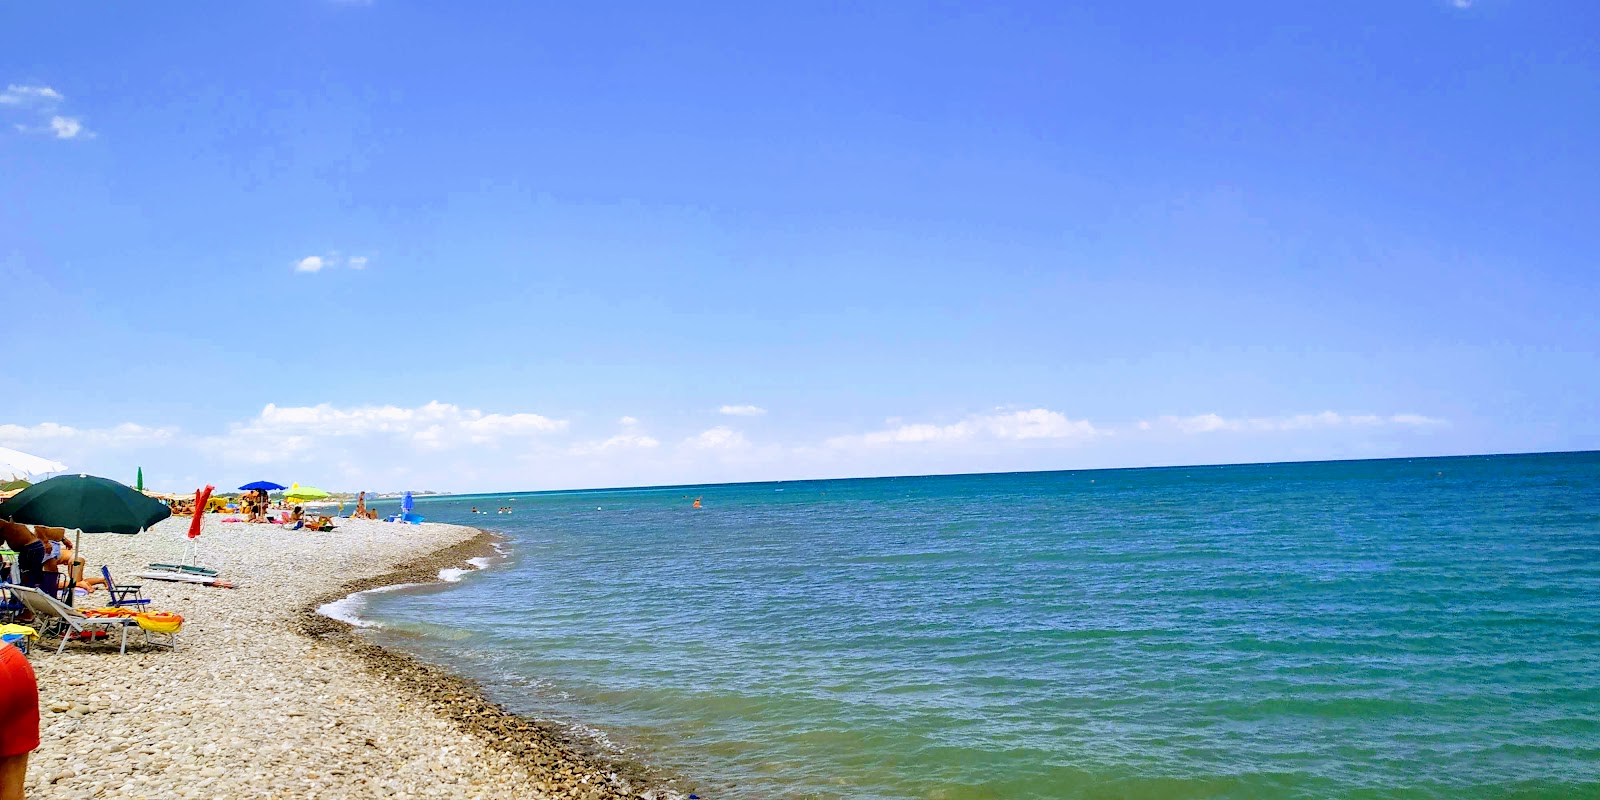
(1212, 423)
(445, 445)
(1036, 423)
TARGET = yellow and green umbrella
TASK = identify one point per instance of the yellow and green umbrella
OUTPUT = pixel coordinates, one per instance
(298, 492)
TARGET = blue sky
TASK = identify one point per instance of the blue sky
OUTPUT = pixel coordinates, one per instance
(504, 246)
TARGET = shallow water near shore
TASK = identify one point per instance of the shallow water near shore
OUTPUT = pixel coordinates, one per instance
(1381, 629)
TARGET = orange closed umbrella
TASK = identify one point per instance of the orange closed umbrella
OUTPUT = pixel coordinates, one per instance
(201, 496)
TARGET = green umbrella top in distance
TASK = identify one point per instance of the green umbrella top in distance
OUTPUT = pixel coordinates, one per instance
(86, 503)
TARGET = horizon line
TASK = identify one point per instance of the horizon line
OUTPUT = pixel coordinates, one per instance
(648, 487)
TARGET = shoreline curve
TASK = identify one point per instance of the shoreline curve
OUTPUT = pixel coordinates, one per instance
(559, 762)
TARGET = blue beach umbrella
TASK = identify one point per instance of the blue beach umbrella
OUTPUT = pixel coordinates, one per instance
(264, 485)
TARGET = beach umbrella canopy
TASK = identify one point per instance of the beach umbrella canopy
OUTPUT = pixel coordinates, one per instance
(86, 503)
(14, 486)
(305, 492)
(16, 465)
(406, 503)
(265, 486)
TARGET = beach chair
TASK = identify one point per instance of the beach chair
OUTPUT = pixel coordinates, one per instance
(48, 609)
(120, 594)
(10, 607)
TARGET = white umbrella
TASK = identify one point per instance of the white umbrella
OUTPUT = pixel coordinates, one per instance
(16, 465)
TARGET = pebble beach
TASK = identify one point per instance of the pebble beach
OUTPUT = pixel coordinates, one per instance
(263, 697)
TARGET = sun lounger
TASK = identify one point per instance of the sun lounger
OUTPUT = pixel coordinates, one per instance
(185, 568)
(47, 608)
(184, 577)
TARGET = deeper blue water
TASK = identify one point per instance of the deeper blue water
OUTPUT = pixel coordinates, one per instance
(1379, 629)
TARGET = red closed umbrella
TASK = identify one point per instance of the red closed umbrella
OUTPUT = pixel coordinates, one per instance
(201, 497)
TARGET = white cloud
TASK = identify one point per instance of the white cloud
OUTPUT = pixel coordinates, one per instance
(1416, 420)
(292, 432)
(328, 260)
(718, 438)
(628, 421)
(619, 442)
(40, 102)
(491, 427)
(742, 411)
(16, 95)
(1211, 423)
(435, 422)
(1036, 423)
(69, 128)
(123, 435)
(1462, 3)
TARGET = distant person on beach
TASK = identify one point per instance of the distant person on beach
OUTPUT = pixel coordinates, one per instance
(259, 504)
(295, 521)
(19, 720)
(361, 506)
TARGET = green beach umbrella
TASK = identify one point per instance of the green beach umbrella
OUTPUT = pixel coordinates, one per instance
(299, 492)
(140, 484)
(85, 503)
(11, 486)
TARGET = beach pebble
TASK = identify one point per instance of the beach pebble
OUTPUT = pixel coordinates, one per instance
(262, 700)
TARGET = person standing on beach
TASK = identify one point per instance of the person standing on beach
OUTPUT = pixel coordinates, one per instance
(19, 720)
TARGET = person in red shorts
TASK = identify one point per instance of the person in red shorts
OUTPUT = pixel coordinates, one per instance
(19, 720)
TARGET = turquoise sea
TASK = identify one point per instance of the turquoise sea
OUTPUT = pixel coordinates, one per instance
(1425, 628)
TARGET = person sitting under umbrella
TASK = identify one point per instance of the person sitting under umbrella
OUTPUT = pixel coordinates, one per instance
(58, 554)
(30, 555)
(71, 563)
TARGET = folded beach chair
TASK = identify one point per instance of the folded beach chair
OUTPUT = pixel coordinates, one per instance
(120, 594)
(47, 608)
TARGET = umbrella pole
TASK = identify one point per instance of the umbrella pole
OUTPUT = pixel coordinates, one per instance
(77, 555)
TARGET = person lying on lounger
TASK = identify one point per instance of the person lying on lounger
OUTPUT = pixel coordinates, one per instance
(90, 584)
(295, 521)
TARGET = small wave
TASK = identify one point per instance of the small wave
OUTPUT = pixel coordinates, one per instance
(453, 574)
(481, 562)
(348, 609)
